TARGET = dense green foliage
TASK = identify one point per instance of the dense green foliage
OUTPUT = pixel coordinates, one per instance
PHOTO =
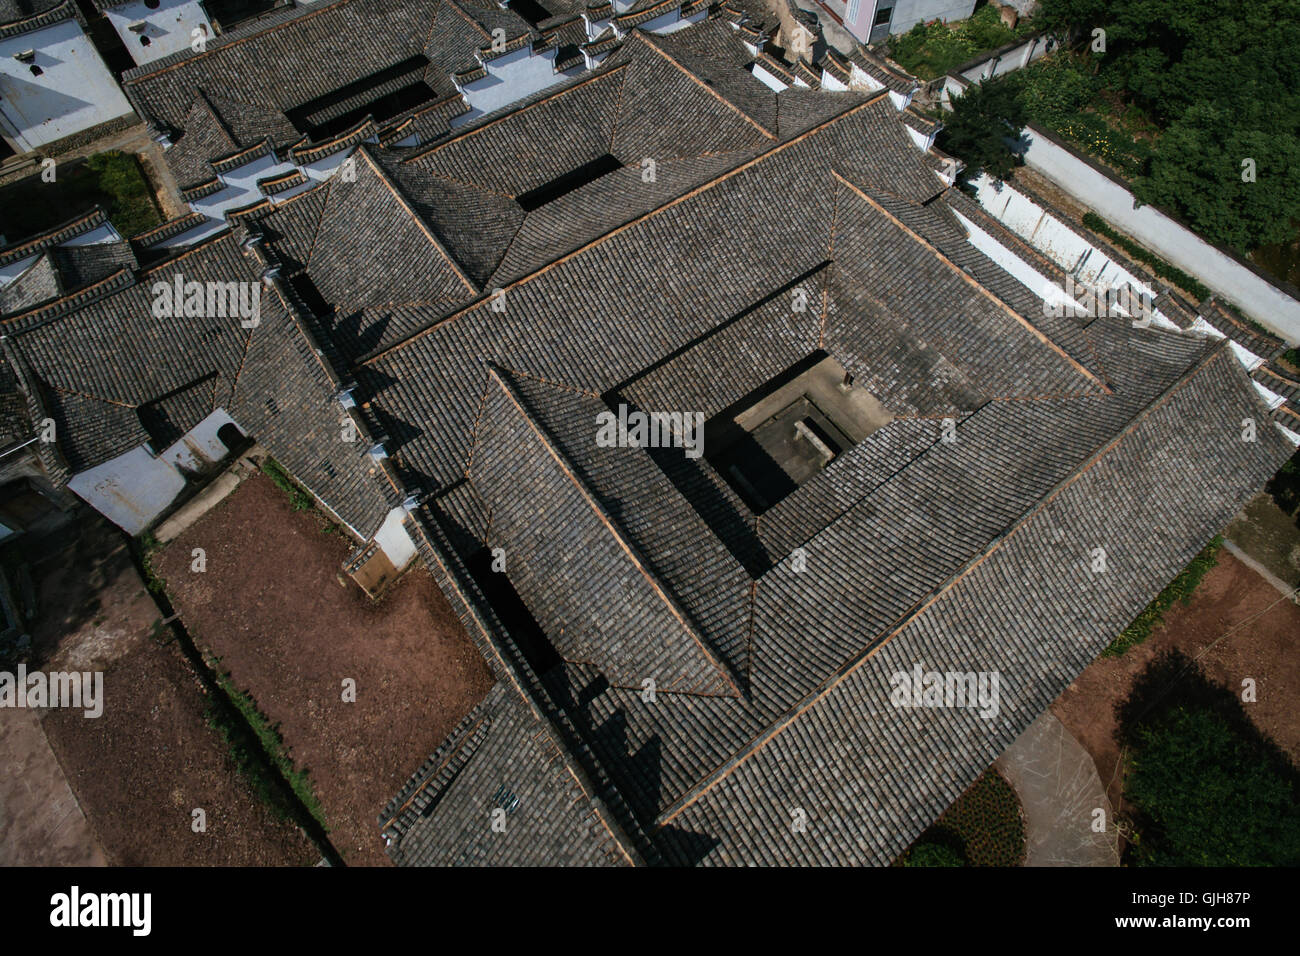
(932, 49)
(982, 124)
(1158, 265)
(112, 180)
(1208, 787)
(1220, 80)
(983, 828)
(1062, 93)
(1180, 588)
(933, 854)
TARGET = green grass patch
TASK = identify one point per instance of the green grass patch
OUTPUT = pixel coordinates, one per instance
(983, 828)
(1180, 588)
(930, 50)
(113, 180)
(273, 746)
(150, 547)
(299, 499)
(1161, 268)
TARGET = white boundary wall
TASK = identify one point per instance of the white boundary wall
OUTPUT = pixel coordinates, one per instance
(1256, 296)
(998, 63)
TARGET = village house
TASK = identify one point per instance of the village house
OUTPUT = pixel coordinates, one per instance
(152, 29)
(907, 463)
(53, 82)
(872, 21)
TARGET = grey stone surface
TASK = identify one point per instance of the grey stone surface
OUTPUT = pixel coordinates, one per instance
(1060, 792)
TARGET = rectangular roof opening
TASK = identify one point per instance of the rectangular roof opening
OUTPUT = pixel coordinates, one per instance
(530, 10)
(568, 182)
(773, 441)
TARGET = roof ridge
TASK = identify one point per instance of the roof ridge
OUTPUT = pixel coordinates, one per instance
(979, 287)
(652, 40)
(58, 308)
(400, 195)
(491, 119)
(68, 229)
(633, 553)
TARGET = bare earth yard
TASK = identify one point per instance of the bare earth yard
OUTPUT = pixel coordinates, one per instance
(274, 607)
(1262, 642)
(140, 769)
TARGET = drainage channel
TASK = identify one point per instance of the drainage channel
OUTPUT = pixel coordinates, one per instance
(232, 718)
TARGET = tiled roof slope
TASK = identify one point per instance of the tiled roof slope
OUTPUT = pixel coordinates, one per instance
(1030, 610)
(58, 270)
(485, 337)
(76, 226)
(639, 630)
(23, 16)
(15, 426)
(39, 283)
(460, 196)
(82, 265)
(498, 761)
(244, 84)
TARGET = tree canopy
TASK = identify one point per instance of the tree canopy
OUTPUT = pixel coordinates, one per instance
(1222, 80)
(981, 123)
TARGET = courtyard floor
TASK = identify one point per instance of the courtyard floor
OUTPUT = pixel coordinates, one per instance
(121, 788)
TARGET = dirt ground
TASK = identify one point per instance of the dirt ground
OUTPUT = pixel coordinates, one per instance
(1262, 641)
(166, 762)
(140, 769)
(276, 610)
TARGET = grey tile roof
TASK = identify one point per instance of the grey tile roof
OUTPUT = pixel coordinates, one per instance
(499, 761)
(15, 426)
(16, 250)
(1231, 324)
(82, 265)
(253, 79)
(898, 531)
(23, 16)
(39, 283)
(638, 629)
(627, 564)
(1031, 610)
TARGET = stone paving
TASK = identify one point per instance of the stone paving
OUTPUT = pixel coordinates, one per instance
(1059, 791)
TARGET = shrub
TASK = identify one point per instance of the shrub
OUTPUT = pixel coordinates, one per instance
(982, 121)
(983, 828)
(933, 854)
(1207, 787)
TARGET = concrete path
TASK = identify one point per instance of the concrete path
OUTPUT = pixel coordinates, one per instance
(1278, 584)
(1059, 791)
(41, 823)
